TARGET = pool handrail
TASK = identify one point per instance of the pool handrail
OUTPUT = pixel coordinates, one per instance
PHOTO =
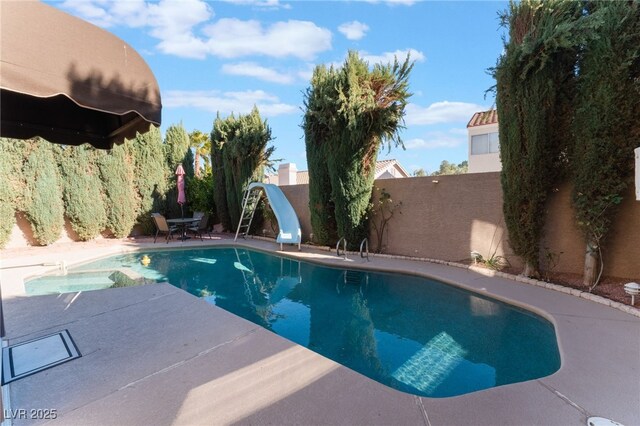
(364, 245)
(342, 240)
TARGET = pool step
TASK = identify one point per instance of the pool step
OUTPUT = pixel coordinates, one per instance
(355, 277)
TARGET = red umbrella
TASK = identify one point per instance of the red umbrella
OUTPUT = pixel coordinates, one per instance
(181, 194)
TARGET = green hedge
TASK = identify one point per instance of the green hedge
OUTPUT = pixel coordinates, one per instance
(535, 89)
(43, 204)
(12, 187)
(121, 199)
(82, 190)
(606, 122)
(150, 175)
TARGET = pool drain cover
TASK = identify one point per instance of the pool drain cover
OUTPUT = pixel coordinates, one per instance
(601, 421)
(30, 357)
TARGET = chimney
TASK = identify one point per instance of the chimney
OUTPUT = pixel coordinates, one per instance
(287, 174)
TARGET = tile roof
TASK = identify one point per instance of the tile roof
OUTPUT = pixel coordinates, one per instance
(483, 118)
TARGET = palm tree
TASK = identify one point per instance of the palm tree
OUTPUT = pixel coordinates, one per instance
(201, 144)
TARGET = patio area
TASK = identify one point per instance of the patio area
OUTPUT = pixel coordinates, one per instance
(154, 354)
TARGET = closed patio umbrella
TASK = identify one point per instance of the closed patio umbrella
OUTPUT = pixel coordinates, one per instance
(182, 198)
(69, 81)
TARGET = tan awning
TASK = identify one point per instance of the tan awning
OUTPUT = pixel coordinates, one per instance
(69, 81)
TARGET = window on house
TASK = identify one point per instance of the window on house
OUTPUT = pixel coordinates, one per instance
(487, 143)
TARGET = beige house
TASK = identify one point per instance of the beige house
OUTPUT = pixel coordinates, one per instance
(484, 143)
(288, 174)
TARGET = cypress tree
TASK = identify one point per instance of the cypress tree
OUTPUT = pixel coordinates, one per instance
(245, 156)
(43, 203)
(81, 193)
(121, 200)
(222, 131)
(150, 174)
(12, 153)
(317, 125)
(535, 87)
(367, 112)
(606, 123)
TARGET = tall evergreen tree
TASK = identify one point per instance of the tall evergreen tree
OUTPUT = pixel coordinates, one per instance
(121, 200)
(535, 87)
(82, 190)
(223, 130)
(150, 174)
(43, 203)
(12, 153)
(317, 124)
(606, 123)
(245, 157)
(367, 112)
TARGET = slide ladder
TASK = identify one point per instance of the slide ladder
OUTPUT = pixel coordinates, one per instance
(249, 204)
(290, 231)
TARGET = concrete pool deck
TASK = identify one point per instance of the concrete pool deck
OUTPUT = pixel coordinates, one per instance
(157, 355)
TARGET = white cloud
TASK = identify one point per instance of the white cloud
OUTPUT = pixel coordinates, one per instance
(388, 57)
(438, 139)
(262, 4)
(227, 102)
(251, 69)
(178, 25)
(353, 30)
(440, 112)
(306, 73)
(232, 38)
(169, 16)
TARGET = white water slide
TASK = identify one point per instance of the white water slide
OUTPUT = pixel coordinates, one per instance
(290, 232)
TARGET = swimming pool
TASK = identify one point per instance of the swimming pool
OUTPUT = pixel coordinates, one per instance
(410, 333)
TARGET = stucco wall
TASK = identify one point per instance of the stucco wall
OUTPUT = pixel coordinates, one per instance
(565, 242)
(461, 213)
(22, 235)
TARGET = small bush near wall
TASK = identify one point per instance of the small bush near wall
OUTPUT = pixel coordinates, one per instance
(43, 203)
(82, 190)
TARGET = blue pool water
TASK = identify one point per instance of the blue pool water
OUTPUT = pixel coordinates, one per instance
(410, 333)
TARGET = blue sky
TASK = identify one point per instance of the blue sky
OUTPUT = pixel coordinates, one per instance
(229, 55)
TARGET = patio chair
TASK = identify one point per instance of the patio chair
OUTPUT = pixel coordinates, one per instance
(162, 227)
(202, 227)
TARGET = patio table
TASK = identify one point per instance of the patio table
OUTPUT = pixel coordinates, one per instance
(183, 222)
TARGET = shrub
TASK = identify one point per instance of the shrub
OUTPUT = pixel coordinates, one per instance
(150, 175)
(317, 127)
(220, 134)
(82, 190)
(359, 109)
(200, 193)
(535, 88)
(121, 199)
(43, 204)
(239, 157)
(606, 123)
(12, 152)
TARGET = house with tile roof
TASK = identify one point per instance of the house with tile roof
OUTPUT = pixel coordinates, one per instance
(288, 174)
(484, 142)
